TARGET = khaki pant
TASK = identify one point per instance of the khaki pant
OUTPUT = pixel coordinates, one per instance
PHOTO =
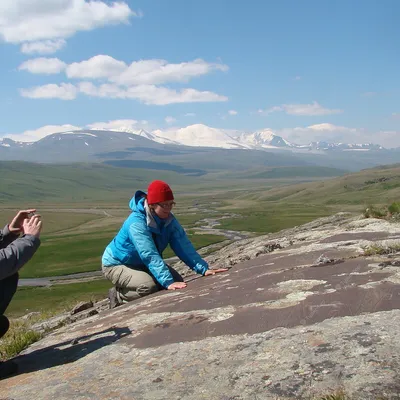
(134, 282)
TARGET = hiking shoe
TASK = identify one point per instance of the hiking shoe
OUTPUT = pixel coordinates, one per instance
(4, 325)
(7, 369)
(113, 297)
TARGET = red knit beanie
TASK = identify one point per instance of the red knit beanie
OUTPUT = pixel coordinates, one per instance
(159, 191)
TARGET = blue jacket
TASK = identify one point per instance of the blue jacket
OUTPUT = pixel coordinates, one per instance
(134, 244)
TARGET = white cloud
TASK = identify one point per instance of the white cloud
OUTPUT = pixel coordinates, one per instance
(326, 127)
(138, 81)
(170, 120)
(106, 90)
(128, 124)
(43, 46)
(143, 72)
(190, 114)
(43, 66)
(329, 133)
(64, 91)
(232, 112)
(150, 94)
(155, 72)
(34, 20)
(100, 66)
(147, 94)
(388, 139)
(89, 89)
(269, 110)
(313, 109)
(297, 78)
(309, 109)
(339, 134)
(396, 115)
(34, 135)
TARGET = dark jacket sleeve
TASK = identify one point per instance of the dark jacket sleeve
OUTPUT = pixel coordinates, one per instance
(17, 254)
(6, 237)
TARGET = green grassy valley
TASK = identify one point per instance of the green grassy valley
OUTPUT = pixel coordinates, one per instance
(91, 183)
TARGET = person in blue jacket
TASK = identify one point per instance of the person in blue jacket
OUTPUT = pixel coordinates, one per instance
(133, 260)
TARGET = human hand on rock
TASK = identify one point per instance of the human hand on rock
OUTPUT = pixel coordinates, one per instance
(215, 271)
(177, 285)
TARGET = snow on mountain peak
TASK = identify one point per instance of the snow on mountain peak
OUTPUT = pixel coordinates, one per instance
(265, 138)
(265, 134)
(202, 136)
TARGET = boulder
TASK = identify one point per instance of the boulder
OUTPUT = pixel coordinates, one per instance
(83, 305)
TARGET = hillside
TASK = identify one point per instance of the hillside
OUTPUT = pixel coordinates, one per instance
(74, 182)
(379, 185)
(100, 182)
(103, 182)
(276, 204)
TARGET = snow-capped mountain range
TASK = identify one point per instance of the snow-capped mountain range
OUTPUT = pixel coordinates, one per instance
(197, 135)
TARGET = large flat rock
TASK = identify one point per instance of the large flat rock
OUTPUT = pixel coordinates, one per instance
(279, 325)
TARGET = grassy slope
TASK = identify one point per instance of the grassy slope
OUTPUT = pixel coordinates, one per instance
(266, 218)
(56, 298)
(272, 209)
(43, 183)
(288, 172)
(99, 183)
(377, 185)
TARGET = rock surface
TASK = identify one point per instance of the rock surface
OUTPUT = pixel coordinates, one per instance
(300, 314)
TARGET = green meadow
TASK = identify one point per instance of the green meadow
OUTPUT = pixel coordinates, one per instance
(56, 298)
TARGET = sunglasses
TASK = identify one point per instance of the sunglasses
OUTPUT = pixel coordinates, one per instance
(166, 205)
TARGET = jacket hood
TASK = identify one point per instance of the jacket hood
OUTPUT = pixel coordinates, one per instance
(137, 201)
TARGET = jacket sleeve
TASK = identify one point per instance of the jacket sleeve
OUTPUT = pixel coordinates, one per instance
(6, 237)
(145, 246)
(183, 248)
(17, 254)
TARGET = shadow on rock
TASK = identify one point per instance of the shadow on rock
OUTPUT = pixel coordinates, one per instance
(68, 351)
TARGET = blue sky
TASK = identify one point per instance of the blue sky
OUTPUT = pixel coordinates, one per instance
(305, 69)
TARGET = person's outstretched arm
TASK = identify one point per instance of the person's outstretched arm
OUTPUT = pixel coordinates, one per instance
(183, 248)
(20, 249)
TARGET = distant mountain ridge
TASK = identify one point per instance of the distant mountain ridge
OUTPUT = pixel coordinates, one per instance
(264, 139)
(200, 135)
(196, 148)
